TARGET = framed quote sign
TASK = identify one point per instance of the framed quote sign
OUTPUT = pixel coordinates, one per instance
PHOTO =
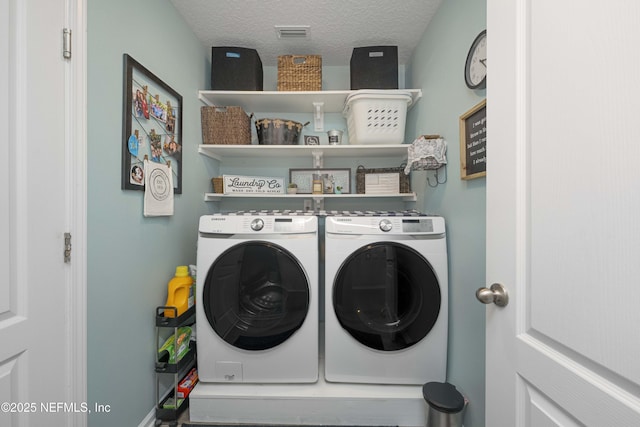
(473, 142)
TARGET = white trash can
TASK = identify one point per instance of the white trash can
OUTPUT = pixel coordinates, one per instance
(445, 405)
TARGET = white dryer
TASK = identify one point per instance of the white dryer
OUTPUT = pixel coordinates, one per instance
(257, 298)
(386, 299)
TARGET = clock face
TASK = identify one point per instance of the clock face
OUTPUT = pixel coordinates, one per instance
(475, 70)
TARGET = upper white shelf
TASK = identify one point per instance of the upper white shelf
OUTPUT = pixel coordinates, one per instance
(288, 102)
(224, 151)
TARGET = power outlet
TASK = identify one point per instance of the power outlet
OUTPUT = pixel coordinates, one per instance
(308, 205)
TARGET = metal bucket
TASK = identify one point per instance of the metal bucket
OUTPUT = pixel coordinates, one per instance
(278, 131)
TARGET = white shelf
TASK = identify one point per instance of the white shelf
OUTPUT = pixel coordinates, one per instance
(222, 152)
(216, 197)
(317, 103)
(289, 102)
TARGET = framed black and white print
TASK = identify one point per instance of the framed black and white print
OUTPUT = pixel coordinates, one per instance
(333, 180)
(151, 126)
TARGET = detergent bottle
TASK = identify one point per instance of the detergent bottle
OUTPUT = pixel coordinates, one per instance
(180, 288)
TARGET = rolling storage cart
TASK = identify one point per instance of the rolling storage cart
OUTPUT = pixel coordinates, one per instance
(179, 369)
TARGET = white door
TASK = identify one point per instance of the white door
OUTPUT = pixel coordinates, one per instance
(563, 207)
(38, 356)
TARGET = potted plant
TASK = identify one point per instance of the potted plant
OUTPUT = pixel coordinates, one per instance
(338, 189)
(292, 188)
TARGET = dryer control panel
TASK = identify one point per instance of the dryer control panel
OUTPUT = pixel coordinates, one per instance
(428, 225)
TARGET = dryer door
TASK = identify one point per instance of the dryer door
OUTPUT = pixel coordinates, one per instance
(387, 296)
(256, 295)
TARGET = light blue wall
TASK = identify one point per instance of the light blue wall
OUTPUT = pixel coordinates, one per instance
(437, 67)
(131, 258)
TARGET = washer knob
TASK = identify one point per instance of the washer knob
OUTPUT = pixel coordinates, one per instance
(385, 225)
(257, 224)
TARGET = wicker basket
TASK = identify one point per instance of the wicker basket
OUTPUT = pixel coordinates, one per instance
(218, 184)
(300, 72)
(225, 125)
(361, 171)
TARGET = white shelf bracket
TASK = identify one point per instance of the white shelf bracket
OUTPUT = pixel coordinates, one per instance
(318, 116)
(318, 203)
(317, 159)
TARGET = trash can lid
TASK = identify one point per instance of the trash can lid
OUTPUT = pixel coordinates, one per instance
(443, 397)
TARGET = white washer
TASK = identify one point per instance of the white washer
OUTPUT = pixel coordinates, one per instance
(257, 298)
(386, 299)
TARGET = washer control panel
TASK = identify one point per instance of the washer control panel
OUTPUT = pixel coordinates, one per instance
(263, 224)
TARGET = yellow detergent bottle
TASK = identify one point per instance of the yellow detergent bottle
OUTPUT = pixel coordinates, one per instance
(179, 289)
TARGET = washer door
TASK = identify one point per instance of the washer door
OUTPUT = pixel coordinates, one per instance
(256, 295)
(387, 296)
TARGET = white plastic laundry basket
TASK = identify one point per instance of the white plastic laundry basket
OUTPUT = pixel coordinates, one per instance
(376, 117)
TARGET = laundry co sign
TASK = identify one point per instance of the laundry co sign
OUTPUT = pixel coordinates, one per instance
(252, 184)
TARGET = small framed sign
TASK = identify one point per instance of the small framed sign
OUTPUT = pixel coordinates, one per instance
(311, 140)
(381, 183)
(473, 142)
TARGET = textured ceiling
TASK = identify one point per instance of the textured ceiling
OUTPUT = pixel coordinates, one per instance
(337, 26)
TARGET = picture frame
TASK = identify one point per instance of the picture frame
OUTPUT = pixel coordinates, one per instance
(473, 142)
(332, 178)
(151, 126)
(311, 140)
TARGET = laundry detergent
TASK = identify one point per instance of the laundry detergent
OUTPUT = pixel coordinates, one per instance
(180, 292)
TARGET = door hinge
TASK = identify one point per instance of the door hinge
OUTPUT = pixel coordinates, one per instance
(67, 247)
(66, 43)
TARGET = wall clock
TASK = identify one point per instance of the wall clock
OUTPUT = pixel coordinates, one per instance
(475, 67)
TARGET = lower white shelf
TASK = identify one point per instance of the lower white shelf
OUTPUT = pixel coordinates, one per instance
(216, 197)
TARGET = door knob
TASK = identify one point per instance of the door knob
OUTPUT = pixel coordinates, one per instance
(497, 294)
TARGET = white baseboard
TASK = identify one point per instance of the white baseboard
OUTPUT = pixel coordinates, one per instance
(149, 420)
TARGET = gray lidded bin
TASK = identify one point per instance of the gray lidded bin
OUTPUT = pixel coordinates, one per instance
(446, 405)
